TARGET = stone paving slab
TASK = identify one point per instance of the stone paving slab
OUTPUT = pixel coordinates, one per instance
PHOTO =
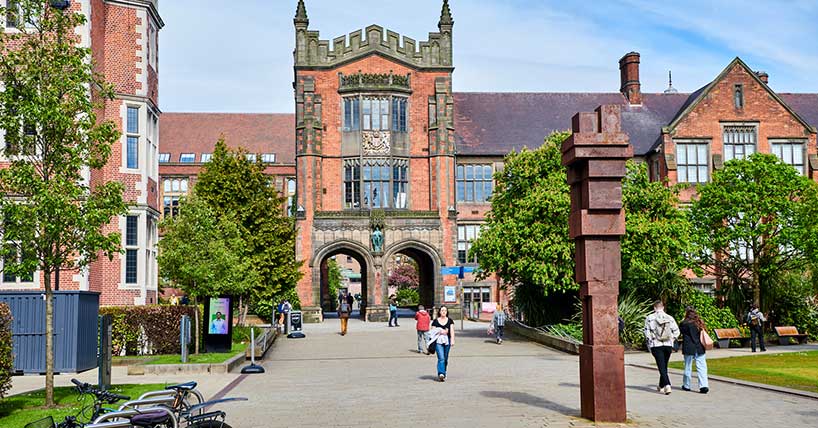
(371, 378)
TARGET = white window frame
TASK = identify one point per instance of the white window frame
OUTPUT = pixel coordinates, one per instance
(466, 183)
(127, 135)
(205, 157)
(251, 157)
(466, 234)
(18, 284)
(682, 162)
(268, 157)
(164, 157)
(191, 156)
(734, 140)
(130, 247)
(792, 143)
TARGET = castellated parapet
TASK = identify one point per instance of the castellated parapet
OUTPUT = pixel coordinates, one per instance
(312, 52)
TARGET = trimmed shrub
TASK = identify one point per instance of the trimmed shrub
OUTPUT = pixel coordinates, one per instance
(146, 330)
(264, 308)
(407, 297)
(6, 356)
(713, 316)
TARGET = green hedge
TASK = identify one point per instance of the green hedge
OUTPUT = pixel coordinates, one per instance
(6, 357)
(147, 330)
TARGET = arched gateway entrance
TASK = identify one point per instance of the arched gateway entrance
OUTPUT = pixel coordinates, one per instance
(374, 290)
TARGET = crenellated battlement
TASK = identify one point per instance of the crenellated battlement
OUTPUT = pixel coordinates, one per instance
(312, 52)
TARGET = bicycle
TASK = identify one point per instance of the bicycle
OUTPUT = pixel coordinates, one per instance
(101, 398)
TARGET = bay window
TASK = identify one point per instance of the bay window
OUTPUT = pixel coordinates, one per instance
(376, 183)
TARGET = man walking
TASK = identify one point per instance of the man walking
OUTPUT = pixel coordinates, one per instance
(756, 320)
(423, 320)
(344, 309)
(499, 322)
(661, 331)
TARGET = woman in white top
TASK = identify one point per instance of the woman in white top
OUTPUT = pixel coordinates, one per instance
(444, 341)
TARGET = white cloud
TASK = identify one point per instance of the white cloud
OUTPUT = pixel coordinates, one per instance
(237, 56)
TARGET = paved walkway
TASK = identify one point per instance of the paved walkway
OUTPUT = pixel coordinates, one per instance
(373, 378)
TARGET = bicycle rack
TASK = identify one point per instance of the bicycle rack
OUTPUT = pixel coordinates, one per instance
(165, 392)
(100, 422)
(133, 404)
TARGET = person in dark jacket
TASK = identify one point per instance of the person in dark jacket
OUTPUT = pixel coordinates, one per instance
(693, 350)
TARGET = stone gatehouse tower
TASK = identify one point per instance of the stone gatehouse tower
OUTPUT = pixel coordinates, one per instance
(375, 158)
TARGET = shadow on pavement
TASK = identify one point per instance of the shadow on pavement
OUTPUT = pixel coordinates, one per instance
(428, 377)
(646, 388)
(532, 400)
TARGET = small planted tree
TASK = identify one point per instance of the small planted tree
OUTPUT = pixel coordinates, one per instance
(53, 218)
(754, 222)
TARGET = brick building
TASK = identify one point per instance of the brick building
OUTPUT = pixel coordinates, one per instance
(389, 161)
(123, 36)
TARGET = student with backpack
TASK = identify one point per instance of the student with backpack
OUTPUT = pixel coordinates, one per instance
(344, 308)
(756, 320)
(661, 331)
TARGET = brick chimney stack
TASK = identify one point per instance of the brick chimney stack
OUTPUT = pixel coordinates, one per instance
(763, 76)
(629, 77)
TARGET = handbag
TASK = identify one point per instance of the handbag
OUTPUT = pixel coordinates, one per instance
(706, 340)
(491, 329)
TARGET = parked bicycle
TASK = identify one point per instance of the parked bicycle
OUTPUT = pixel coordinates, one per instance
(167, 408)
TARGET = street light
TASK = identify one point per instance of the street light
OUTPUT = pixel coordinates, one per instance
(60, 4)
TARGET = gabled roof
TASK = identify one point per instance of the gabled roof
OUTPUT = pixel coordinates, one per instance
(696, 97)
(198, 132)
(493, 124)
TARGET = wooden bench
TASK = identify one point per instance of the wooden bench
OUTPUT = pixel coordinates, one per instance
(786, 333)
(725, 335)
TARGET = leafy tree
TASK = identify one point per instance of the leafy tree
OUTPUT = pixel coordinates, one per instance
(525, 238)
(656, 245)
(53, 218)
(404, 275)
(754, 222)
(238, 189)
(334, 278)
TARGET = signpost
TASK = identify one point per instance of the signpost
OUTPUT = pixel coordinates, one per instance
(184, 336)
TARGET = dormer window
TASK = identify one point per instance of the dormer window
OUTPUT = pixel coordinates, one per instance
(738, 96)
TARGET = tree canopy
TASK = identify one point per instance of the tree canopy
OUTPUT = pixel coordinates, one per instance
(237, 189)
(525, 238)
(54, 216)
(755, 221)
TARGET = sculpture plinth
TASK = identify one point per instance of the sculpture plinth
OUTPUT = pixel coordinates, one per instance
(595, 155)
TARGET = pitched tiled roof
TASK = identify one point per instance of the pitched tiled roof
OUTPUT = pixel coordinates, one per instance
(496, 123)
(198, 132)
(806, 105)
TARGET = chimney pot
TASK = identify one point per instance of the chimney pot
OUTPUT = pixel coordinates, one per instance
(629, 78)
(763, 76)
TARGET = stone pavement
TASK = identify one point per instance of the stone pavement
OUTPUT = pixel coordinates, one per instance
(373, 378)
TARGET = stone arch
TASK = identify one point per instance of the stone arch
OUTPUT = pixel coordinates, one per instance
(350, 248)
(429, 263)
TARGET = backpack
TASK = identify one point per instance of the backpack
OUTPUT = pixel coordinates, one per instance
(662, 329)
(753, 320)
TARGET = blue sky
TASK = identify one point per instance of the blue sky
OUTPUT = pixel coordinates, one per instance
(236, 56)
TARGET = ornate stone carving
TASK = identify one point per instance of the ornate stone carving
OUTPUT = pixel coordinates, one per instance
(375, 142)
(375, 81)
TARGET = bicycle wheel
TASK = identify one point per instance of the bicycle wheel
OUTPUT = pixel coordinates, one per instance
(209, 424)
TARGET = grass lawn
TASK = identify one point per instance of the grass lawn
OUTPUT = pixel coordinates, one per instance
(796, 370)
(209, 358)
(18, 410)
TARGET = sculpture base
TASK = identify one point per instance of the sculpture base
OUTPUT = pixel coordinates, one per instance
(602, 382)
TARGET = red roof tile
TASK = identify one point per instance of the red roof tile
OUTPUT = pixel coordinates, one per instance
(198, 132)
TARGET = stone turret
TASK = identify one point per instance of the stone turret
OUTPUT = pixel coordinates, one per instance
(301, 22)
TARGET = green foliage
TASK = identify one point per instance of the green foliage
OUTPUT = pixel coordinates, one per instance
(264, 307)
(525, 239)
(407, 297)
(765, 206)
(656, 245)
(713, 316)
(791, 301)
(238, 190)
(570, 332)
(633, 311)
(146, 330)
(204, 254)
(53, 136)
(334, 278)
(6, 356)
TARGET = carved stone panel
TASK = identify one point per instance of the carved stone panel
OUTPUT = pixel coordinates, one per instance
(375, 142)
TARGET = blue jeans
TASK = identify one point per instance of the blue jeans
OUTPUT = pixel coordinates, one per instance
(442, 352)
(701, 370)
(393, 315)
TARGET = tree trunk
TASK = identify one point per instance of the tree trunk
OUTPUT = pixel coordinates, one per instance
(196, 322)
(49, 342)
(757, 290)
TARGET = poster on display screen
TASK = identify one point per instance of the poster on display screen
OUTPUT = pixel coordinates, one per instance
(218, 325)
(219, 315)
(449, 294)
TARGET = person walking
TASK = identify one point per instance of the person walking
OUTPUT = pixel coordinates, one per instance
(393, 311)
(693, 350)
(661, 331)
(498, 320)
(344, 309)
(444, 340)
(423, 320)
(756, 320)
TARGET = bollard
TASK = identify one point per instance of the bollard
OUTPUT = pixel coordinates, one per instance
(252, 368)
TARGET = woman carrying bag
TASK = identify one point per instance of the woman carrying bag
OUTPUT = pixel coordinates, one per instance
(695, 342)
